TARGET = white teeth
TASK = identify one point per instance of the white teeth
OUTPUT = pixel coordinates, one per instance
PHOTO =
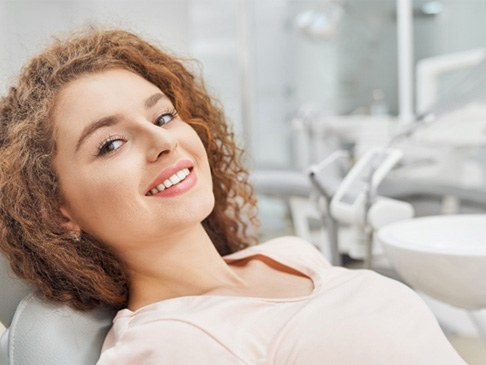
(167, 183)
(185, 172)
(174, 179)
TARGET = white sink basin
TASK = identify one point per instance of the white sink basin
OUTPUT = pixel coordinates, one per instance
(442, 256)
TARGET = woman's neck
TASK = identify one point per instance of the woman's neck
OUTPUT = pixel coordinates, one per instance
(186, 264)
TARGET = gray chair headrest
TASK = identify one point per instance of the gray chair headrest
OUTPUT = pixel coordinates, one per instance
(47, 333)
(12, 291)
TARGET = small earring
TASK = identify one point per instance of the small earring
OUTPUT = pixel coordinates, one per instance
(76, 237)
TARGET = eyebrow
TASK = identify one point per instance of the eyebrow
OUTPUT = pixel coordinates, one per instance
(114, 119)
(152, 100)
(93, 127)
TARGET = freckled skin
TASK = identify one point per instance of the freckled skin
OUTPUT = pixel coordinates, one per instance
(105, 195)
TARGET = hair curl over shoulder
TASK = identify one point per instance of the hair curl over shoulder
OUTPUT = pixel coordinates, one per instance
(86, 274)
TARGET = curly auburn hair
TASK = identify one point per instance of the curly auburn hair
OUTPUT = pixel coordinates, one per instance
(39, 247)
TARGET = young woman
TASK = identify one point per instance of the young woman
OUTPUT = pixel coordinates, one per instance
(121, 186)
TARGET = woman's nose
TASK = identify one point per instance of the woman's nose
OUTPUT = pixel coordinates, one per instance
(161, 142)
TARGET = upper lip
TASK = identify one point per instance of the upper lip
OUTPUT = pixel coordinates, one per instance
(169, 171)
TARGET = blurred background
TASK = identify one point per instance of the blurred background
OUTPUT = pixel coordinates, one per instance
(265, 60)
(300, 79)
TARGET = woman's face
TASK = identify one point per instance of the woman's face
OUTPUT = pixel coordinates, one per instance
(130, 169)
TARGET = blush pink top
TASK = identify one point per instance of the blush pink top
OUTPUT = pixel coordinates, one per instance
(351, 317)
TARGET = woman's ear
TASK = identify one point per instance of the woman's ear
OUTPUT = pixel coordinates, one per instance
(68, 222)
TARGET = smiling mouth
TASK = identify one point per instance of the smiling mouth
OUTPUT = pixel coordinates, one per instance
(170, 181)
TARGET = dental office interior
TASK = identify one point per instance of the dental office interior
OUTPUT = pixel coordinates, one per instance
(363, 121)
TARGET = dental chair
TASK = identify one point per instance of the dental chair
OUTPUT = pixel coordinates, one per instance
(40, 332)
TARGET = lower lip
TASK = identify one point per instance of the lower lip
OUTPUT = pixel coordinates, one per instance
(179, 188)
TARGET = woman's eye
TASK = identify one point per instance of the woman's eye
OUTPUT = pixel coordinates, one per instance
(165, 118)
(109, 146)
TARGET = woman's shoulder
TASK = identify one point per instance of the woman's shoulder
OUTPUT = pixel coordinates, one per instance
(280, 244)
(286, 249)
(291, 245)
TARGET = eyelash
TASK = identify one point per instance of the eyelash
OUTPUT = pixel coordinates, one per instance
(171, 112)
(104, 147)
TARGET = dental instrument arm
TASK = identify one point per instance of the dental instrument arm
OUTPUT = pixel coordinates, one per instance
(321, 178)
(356, 193)
(356, 203)
(319, 173)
